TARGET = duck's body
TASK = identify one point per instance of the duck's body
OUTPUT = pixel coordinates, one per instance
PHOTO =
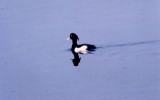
(83, 48)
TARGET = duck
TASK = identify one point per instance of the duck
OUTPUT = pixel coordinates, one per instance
(82, 48)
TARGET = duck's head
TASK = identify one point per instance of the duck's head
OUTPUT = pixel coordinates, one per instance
(74, 37)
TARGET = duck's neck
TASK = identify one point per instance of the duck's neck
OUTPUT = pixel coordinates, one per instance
(74, 44)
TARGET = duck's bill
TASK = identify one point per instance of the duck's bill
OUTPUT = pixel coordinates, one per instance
(68, 38)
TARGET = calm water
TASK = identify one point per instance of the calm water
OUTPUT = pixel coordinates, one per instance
(36, 64)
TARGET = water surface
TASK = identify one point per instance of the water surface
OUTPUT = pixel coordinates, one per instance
(36, 64)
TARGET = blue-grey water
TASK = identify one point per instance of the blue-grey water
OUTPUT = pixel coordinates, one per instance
(36, 64)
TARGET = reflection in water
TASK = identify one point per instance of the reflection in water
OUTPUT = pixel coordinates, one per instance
(76, 59)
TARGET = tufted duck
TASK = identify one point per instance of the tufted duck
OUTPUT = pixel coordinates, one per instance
(83, 48)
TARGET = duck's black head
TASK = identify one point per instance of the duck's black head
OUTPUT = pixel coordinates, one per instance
(74, 37)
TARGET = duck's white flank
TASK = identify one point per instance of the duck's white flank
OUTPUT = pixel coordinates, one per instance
(82, 49)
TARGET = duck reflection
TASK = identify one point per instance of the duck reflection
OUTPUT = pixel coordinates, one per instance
(76, 59)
